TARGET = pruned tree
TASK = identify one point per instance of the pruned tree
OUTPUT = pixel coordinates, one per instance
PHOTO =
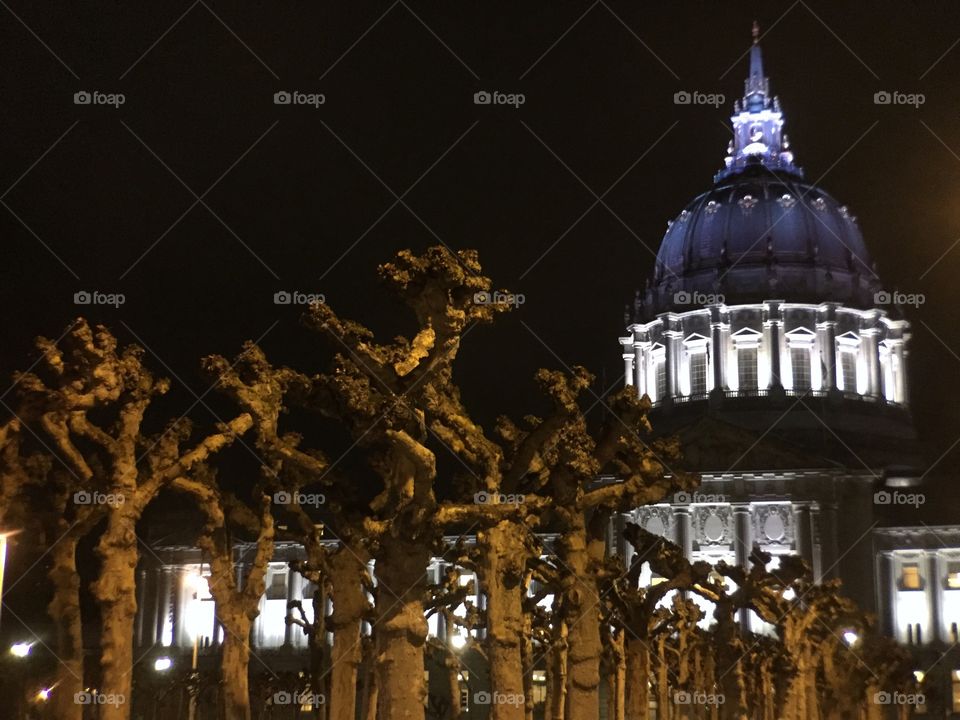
(89, 399)
(237, 599)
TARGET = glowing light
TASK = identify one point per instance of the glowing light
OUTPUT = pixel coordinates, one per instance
(44, 695)
(21, 650)
(162, 664)
(458, 641)
(850, 637)
(919, 675)
(198, 583)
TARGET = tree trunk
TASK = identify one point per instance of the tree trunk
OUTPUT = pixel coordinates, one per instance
(558, 665)
(663, 681)
(452, 665)
(581, 605)
(234, 666)
(64, 610)
(401, 629)
(317, 646)
(620, 678)
(115, 592)
(501, 569)
(637, 703)
(527, 662)
(368, 684)
(347, 570)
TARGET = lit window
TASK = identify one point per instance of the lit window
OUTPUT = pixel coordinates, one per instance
(747, 368)
(848, 370)
(800, 361)
(953, 574)
(660, 375)
(698, 373)
(910, 578)
(277, 589)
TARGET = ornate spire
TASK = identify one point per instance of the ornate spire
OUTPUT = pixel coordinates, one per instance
(757, 124)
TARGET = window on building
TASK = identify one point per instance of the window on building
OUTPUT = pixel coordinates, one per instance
(953, 574)
(747, 368)
(660, 378)
(800, 362)
(698, 373)
(277, 588)
(910, 578)
(848, 370)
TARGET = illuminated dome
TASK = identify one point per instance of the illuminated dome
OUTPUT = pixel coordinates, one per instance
(764, 307)
(761, 231)
(759, 234)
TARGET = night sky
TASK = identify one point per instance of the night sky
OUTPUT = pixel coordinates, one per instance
(312, 199)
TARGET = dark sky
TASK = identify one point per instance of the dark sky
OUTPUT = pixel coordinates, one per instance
(299, 198)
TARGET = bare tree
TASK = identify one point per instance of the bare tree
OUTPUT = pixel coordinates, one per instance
(237, 599)
(90, 399)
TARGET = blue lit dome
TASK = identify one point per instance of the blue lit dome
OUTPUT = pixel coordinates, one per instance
(761, 231)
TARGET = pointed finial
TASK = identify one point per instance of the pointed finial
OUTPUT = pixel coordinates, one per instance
(756, 32)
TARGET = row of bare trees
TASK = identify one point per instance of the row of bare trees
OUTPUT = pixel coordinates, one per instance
(369, 426)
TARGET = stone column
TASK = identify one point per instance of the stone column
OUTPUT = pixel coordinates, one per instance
(716, 354)
(176, 592)
(773, 324)
(672, 345)
(628, 368)
(742, 545)
(871, 350)
(902, 353)
(640, 361)
(934, 600)
(828, 542)
(828, 348)
(294, 584)
(164, 604)
(803, 533)
(683, 535)
(141, 606)
(148, 606)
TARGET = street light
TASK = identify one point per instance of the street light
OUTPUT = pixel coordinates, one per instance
(162, 664)
(850, 637)
(20, 649)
